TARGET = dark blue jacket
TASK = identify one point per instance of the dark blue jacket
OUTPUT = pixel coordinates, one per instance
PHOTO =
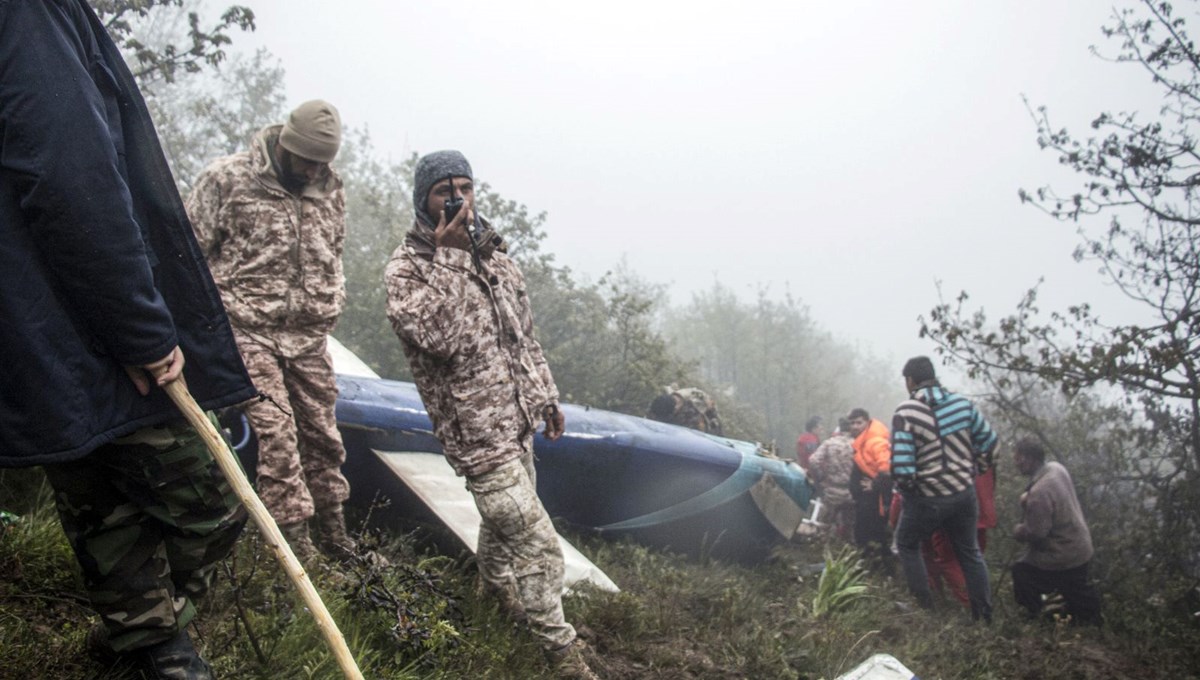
(99, 267)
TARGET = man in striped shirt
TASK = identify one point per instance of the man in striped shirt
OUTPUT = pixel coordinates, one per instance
(940, 442)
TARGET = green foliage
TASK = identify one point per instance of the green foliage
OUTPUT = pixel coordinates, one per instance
(1123, 476)
(613, 343)
(842, 583)
(425, 619)
(1133, 172)
(42, 614)
(36, 549)
(204, 105)
(600, 338)
(399, 621)
(216, 113)
(1139, 173)
(422, 616)
(771, 367)
(687, 619)
(604, 338)
(378, 213)
(190, 53)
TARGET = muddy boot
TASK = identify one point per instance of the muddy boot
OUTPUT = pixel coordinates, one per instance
(332, 537)
(175, 659)
(297, 537)
(570, 662)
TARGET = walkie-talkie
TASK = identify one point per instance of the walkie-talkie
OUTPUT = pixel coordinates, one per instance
(455, 203)
(451, 208)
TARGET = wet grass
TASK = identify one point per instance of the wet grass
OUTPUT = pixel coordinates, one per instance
(424, 617)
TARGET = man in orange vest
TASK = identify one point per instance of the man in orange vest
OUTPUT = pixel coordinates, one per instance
(871, 486)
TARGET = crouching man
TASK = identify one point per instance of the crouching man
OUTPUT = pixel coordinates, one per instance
(1058, 543)
(465, 325)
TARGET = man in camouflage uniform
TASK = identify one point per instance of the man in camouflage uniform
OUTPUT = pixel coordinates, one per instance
(688, 407)
(103, 294)
(829, 468)
(463, 319)
(271, 223)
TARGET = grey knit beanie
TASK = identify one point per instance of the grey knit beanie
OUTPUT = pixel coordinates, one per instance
(313, 131)
(431, 169)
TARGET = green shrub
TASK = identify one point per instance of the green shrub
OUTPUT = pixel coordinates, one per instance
(843, 582)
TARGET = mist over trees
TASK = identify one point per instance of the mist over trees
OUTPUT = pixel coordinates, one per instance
(775, 363)
(205, 103)
(616, 342)
(612, 343)
(1119, 403)
(156, 44)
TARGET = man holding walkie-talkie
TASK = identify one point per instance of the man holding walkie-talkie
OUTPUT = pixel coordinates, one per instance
(458, 304)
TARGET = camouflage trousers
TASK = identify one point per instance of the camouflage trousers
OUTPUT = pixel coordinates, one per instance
(300, 453)
(519, 550)
(148, 516)
(839, 516)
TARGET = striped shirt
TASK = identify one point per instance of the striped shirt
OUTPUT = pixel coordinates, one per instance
(940, 442)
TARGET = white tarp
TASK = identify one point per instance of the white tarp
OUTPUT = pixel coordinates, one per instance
(434, 481)
(879, 667)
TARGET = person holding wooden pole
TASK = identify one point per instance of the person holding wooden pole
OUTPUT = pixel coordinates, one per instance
(102, 295)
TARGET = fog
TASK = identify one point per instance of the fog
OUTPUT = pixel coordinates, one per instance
(853, 153)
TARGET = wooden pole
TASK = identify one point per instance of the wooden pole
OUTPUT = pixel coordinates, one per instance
(179, 394)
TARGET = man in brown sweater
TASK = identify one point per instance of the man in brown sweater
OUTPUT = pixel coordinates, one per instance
(1059, 545)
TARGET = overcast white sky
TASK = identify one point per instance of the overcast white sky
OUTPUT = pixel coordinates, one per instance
(853, 152)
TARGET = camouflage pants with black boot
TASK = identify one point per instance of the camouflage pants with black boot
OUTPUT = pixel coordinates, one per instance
(149, 516)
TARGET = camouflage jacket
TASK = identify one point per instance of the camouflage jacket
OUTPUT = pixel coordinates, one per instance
(477, 366)
(276, 257)
(830, 467)
(698, 411)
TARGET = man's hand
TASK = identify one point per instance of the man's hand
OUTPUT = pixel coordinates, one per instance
(556, 423)
(454, 234)
(166, 370)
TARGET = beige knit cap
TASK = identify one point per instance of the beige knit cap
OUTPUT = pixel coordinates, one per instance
(313, 131)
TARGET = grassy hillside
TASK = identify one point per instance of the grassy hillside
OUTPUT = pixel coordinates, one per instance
(675, 618)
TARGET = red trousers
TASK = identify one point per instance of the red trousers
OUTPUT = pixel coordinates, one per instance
(943, 567)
